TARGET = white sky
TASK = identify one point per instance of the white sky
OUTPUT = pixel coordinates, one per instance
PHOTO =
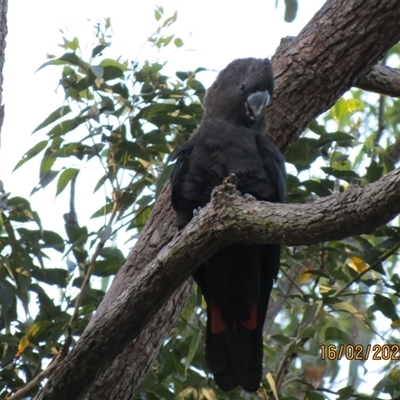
(215, 32)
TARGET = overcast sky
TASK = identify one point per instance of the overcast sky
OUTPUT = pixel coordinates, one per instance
(214, 32)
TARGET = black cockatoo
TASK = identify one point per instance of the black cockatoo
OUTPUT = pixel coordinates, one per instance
(236, 281)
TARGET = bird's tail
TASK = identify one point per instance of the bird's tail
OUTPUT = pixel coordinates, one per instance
(234, 353)
(236, 283)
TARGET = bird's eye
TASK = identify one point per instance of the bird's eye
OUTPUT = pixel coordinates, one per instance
(242, 86)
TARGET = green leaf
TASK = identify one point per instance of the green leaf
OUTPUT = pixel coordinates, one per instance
(112, 254)
(316, 128)
(21, 209)
(170, 20)
(109, 62)
(347, 176)
(76, 234)
(386, 307)
(34, 151)
(178, 42)
(140, 220)
(65, 178)
(291, 7)
(337, 335)
(194, 345)
(196, 85)
(302, 153)
(374, 171)
(346, 393)
(112, 72)
(341, 138)
(71, 44)
(7, 296)
(344, 108)
(102, 211)
(98, 49)
(46, 163)
(163, 178)
(54, 116)
(107, 104)
(120, 89)
(158, 13)
(53, 240)
(46, 178)
(113, 259)
(106, 268)
(67, 58)
(321, 188)
(308, 332)
(66, 126)
(183, 75)
(51, 276)
(311, 395)
(71, 149)
(310, 314)
(47, 307)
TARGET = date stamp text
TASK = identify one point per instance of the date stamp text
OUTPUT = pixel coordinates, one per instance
(360, 352)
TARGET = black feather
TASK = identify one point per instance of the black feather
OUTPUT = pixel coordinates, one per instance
(236, 281)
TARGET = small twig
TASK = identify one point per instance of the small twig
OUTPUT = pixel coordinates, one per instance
(282, 370)
(381, 116)
(361, 274)
(381, 120)
(86, 280)
(23, 392)
(71, 217)
(292, 281)
(355, 395)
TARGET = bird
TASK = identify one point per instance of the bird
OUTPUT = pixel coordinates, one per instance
(237, 280)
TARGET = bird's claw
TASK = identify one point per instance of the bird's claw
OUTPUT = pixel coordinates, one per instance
(249, 197)
(196, 211)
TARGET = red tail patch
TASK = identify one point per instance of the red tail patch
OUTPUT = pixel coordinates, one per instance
(252, 322)
(217, 323)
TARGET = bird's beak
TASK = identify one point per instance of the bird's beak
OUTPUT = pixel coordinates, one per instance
(256, 103)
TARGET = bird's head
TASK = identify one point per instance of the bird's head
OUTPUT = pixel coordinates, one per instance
(241, 92)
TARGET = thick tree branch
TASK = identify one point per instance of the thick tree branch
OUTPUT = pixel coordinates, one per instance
(343, 41)
(381, 79)
(3, 34)
(227, 218)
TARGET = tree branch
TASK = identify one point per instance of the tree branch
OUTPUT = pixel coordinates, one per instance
(226, 219)
(3, 34)
(381, 79)
(341, 43)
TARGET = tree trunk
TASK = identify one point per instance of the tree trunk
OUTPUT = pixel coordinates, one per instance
(336, 49)
(3, 34)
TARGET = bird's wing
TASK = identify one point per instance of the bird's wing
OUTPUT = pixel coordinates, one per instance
(182, 157)
(274, 163)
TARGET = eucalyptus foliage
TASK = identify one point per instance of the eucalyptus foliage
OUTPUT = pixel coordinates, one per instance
(125, 119)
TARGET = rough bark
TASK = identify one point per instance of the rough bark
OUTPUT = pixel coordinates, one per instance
(3, 34)
(342, 42)
(227, 218)
(339, 45)
(381, 79)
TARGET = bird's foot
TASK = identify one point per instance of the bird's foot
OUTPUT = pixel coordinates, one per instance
(196, 211)
(249, 197)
